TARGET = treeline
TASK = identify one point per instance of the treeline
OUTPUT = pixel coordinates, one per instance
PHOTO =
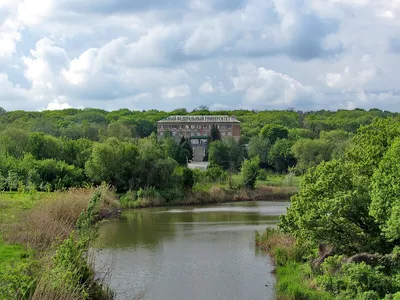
(53, 150)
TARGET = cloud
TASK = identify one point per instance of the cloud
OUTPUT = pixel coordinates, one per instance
(356, 77)
(206, 87)
(257, 54)
(175, 92)
(58, 104)
(263, 88)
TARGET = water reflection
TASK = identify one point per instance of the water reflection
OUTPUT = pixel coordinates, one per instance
(191, 252)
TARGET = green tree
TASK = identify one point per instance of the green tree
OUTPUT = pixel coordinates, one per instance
(280, 156)
(385, 193)
(249, 172)
(43, 146)
(144, 128)
(218, 153)
(310, 153)
(332, 208)
(215, 134)
(114, 162)
(272, 132)
(259, 146)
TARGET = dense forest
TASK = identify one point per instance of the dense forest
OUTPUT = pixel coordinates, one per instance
(53, 150)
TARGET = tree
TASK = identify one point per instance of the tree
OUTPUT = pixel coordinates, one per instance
(187, 146)
(310, 153)
(14, 141)
(114, 162)
(218, 153)
(273, 132)
(332, 208)
(249, 172)
(174, 150)
(43, 146)
(144, 128)
(280, 156)
(215, 135)
(235, 153)
(385, 193)
(259, 146)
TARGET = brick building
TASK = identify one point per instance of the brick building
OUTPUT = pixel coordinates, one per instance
(197, 128)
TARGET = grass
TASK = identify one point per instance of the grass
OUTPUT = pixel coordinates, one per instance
(279, 180)
(295, 281)
(33, 227)
(294, 276)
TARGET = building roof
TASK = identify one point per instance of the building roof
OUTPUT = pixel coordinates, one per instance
(201, 119)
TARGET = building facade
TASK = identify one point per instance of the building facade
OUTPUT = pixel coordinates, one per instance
(197, 128)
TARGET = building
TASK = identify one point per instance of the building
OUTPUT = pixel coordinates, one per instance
(197, 128)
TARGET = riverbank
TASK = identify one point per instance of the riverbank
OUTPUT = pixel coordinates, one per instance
(208, 195)
(295, 278)
(44, 241)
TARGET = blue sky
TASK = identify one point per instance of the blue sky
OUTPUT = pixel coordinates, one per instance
(225, 54)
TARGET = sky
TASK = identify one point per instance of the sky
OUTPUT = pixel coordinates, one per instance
(224, 54)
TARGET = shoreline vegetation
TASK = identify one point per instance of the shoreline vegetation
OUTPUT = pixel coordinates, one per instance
(44, 244)
(215, 195)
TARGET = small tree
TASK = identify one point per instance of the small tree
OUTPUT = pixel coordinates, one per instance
(250, 169)
(215, 135)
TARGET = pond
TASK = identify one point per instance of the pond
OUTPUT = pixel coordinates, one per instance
(199, 252)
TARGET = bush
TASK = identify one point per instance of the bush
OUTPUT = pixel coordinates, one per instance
(249, 172)
(215, 173)
(262, 175)
(128, 200)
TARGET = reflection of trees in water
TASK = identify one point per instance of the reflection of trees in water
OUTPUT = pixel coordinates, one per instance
(149, 228)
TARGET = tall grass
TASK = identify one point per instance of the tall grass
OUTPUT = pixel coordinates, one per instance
(58, 231)
(294, 276)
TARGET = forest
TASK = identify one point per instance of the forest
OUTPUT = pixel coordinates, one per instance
(56, 150)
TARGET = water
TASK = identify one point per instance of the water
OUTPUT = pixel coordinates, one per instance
(186, 253)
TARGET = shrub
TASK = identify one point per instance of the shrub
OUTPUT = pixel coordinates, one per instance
(215, 173)
(128, 200)
(262, 175)
(249, 172)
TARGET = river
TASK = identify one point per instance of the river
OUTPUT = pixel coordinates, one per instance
(201, 252)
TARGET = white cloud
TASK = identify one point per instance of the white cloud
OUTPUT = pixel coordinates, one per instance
(206, 87)
(175, 92)
(265, 88)
(353, 79)
(58, 104)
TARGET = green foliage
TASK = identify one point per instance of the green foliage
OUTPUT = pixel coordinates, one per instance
(113, 162)
(228, 154)
(385, 193)
(293, 283)
(249, 172)
(332, 207)
(357, 280)
(215, 135)
(215, 173)
(259, 146)
(280, 156)
(273, 132)
(185, 177)
(310, 153)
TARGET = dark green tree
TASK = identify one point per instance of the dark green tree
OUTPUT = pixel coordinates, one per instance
(280, 156)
